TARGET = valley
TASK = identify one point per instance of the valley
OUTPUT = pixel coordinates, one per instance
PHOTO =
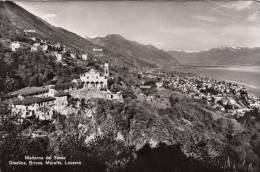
(111, 104)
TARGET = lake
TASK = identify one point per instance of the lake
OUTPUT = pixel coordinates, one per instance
(248, 76)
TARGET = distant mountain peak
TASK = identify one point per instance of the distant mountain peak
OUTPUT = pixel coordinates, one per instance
(118, 48)
(14, 19)
(219, 56)
(134, 50)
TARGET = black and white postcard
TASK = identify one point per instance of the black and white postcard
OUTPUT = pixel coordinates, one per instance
(129, 86)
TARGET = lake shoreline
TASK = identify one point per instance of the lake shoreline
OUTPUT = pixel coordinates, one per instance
(247, 76)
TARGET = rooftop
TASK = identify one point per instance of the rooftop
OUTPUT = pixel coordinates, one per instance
(65, 85)
(32, 100)
(61, 94)
(28, 91)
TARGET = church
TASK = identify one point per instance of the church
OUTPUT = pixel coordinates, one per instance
(94, 79)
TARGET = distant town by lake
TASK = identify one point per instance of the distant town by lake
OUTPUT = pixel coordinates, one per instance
(249, 76)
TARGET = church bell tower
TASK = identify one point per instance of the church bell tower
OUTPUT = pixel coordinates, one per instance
(106, 69)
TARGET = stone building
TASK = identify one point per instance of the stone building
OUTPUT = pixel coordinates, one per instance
(38, 102)
(37, 107)
(94, 79)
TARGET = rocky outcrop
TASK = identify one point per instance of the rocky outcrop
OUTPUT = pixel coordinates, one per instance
(191, 124)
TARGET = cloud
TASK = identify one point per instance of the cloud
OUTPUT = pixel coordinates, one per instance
(51, 15)
(205, 18)
(237, 5)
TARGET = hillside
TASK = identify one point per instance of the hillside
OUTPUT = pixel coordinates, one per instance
(108, 135)
(219, 56)
(135, 51)
(14, 20)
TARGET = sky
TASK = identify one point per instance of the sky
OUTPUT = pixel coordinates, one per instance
(187, 26)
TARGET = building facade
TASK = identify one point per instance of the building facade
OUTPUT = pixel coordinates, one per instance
(98, 52)
(93, 80)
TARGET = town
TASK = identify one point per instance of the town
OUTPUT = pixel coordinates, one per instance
(42, 102)
(224, 96)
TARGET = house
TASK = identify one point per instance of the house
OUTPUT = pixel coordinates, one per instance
(145, 87)
(44, 47)
(61, 101)
(114, 96)
(15, 45)
(58, 45)
(34, 107)
(34, 48)
(58, 56)
(98, 52)
(37, 44)
(39, 102)
(84, 57)
(97, 49)
(28, 31)
(159, 85)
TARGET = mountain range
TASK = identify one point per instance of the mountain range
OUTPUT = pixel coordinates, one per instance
(219, 56)
(14, 19)
(204, 133)
(134, 50)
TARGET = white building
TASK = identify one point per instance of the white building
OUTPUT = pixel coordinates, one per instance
(61, 100)
(58, 45)
(38, 102)
(84, 57)
(98, 52)
(36, 107)
(29, 31)
(44, 47)
(15, 45)
(37, 44)
(58, 56)
(34, 48)
(94, 79)
(97, 49)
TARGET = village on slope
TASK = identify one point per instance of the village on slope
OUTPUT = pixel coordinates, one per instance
(153, 88)
(42, 102)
